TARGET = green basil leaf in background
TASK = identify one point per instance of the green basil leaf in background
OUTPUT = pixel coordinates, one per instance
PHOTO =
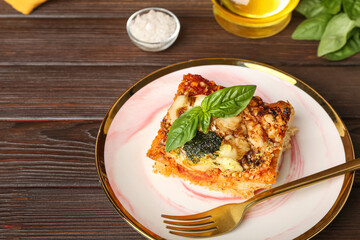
(311, 28)
(352, 47)
(332, 6)
(311, 8)
(336, 34)
(183, 128)
(205, 122)
(352, 8)
(228, 102)
(357, 22)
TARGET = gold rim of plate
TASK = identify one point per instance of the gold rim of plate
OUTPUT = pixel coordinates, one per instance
(343, 132)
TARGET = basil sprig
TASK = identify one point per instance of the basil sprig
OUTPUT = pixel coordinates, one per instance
(226, 102)
(333, 22)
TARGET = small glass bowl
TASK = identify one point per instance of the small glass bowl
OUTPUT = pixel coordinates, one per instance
(153, 46)
(253, 27)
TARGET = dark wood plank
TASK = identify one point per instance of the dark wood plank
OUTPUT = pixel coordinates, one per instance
(109, 8)
(48, 153)
(62, 153)
(58, 213)
(63, 92)
(105, 42)
(87, 92)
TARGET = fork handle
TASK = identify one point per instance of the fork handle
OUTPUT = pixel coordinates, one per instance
(306, 181)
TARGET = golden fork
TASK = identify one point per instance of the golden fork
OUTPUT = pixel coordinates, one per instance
(225, 218)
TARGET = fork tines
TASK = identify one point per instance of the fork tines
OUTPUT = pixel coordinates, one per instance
(197, 225)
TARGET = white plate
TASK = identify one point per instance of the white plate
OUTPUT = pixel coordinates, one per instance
(141, 196)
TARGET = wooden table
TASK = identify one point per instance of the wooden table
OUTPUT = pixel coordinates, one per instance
(63, 66)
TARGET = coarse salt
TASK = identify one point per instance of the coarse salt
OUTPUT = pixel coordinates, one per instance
(153, 26)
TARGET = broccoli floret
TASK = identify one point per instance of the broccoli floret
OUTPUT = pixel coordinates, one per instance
(201, 145)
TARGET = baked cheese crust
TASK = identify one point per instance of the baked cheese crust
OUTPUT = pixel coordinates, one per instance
(251, 147)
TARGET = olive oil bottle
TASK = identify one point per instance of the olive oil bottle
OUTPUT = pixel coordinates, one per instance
(255, 8)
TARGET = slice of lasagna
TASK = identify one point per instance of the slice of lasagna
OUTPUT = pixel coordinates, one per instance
(237, 155)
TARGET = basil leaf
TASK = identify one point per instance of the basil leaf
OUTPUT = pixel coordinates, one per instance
(311, 8)
(336, 34)
(352, 47)
(352, 8)
(311, 28)
(332, 6)
(357, 22)
(228, 102)
(183, 128)
(205, 121)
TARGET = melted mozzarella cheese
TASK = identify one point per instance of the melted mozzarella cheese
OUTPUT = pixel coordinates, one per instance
(227, 151)
(199, 99)
(181, 101)
(225, 160)
(227, 124)
(230, 164)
